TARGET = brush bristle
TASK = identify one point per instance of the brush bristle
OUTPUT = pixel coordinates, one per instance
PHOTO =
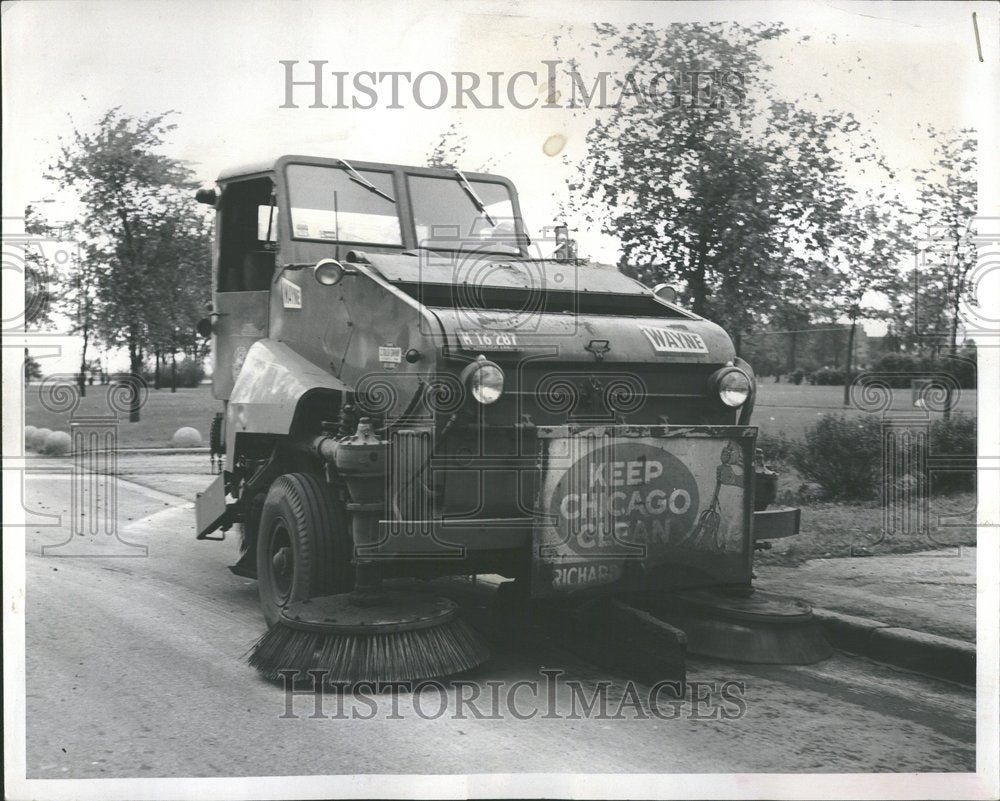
(426, 653)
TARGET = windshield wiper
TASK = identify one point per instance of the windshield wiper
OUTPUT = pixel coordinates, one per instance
(357, 177)
(477, 201)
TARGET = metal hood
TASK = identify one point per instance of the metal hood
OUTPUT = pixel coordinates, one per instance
(511, 309)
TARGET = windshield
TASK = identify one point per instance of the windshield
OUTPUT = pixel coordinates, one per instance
(343, 204)
(447, 214)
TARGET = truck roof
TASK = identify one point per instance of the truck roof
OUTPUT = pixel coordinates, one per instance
(248, 168)
(274, 163)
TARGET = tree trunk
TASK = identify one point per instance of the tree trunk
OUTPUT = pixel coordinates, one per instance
(156, 369)
(956, 310)
(173, 371)
(135, 367)
(83, 364)
(849, 362)
(697, 285)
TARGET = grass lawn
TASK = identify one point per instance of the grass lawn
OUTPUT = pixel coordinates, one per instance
(856, 529)
(788, 409)
(162, 415)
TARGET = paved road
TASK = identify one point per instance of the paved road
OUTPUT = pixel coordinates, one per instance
(135, 668)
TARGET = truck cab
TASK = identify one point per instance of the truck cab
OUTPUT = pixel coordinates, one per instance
(511, 405)
(299, 209)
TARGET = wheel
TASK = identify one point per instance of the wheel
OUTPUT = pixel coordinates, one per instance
(303, 544)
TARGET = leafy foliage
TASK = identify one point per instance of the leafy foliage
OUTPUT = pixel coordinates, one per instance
(449, 148)
(144, 241)
(189, 373)
(946, 253)
(898, 370)
(843, 455)
(825, 377)
(747, 205)
(955, 436)
(32, 369)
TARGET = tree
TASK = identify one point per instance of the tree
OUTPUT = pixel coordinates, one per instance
(947, 204)
(127, 189)
(449, 148)
(184, 237)
(68, 289)
(874, 231)
(38, 273)
(32, 369)
(740, 195)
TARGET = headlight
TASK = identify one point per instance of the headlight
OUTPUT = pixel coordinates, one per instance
(328, 272)
(733, 386)
(484, 380)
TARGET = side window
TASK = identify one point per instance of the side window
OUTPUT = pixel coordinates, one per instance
(267, 224)
(248, 236)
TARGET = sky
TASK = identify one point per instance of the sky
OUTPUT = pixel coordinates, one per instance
(896, 66)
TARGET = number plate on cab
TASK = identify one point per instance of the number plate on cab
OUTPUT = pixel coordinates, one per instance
(488, 340)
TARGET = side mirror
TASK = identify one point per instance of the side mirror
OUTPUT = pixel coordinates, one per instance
(204, 327)
(665, 292)
(208, 196)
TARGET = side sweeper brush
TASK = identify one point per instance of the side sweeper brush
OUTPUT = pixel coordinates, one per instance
(405, 636)
(371, 634)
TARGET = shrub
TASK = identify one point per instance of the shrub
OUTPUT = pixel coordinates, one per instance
(189, 374)
(776, 447)
(38, 437)
(186, 438)
(843, 455)
(58, 443)
(797, 376)
(826, 377)
(899, 369)
(954, 437)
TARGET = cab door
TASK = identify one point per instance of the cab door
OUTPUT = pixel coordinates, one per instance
(246, 236)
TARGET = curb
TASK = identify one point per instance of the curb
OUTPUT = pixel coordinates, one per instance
(131, 452)
(930, 654)
(161, 451)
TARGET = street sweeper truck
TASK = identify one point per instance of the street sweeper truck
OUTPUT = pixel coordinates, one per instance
(413, 386)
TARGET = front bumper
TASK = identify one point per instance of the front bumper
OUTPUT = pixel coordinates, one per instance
(776, 524)
(444, 538)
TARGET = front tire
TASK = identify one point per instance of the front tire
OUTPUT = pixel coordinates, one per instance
(303, 544)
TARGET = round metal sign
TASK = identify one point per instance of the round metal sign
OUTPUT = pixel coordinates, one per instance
(620, 497)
